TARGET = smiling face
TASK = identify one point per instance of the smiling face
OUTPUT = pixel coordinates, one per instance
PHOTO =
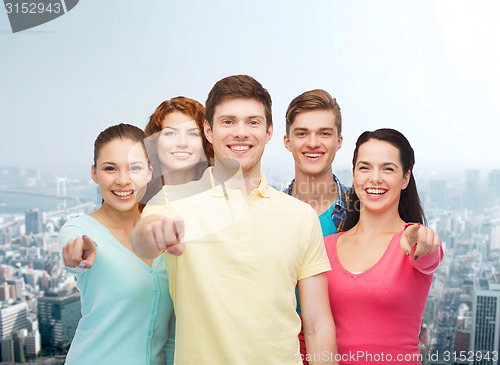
(179, 142)
(121, 171)
(313, 140)
(379, 177)
(239, 132)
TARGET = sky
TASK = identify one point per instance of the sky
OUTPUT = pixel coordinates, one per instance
(429, 69)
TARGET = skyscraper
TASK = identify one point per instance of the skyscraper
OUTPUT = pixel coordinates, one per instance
(33, 220)
(472, 194)
(58, 317)
(438, 193)
(485, 337)
(13, 318)
(494, 183)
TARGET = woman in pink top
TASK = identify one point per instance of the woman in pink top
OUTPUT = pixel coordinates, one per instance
(380, 278)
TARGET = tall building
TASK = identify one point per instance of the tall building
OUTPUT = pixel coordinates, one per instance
(58, 317)
(13, 347)
(438, 193)
(485, 336)
(494, 183)
(33, 220)
(13, 318)
(495, 234)
(19, 345)
(7, 350)
(33, 343)
(18, 285)
(5, 238)
(472, 193)
(5, 290)
(6, 272)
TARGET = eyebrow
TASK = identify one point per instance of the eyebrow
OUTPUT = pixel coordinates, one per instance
(383, 163)
(249, 117)
(176, 129)
(113, 163)
(320, 129)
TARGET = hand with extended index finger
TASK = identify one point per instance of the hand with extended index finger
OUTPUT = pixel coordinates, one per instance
(166, 234)
(80, 252)
(425, 239)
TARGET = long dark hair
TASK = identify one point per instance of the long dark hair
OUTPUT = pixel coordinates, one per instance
(410, 207)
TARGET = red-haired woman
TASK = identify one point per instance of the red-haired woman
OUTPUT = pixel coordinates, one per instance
(176, 144)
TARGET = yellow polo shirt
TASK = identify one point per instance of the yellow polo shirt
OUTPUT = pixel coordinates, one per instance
(234, 287)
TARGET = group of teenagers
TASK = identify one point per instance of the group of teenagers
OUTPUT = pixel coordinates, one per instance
(193, 258)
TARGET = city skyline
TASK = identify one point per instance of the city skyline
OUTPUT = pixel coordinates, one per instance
(31, 268)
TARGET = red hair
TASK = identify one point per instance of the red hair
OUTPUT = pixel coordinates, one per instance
(186, 106)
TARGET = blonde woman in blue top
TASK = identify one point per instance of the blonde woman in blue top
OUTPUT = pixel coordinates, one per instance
(127, 312)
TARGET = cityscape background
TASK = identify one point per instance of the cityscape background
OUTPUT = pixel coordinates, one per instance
(429, 69)
(40, 306)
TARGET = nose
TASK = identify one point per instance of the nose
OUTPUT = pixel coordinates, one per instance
(376, 176)
(123, 177)
(181, 140)
(312, 140)
(240, 130)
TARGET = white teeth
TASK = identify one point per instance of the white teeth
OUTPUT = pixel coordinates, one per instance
(123, 193)
(375, 191)
(181, 154)
(313, 154)
(240, 148)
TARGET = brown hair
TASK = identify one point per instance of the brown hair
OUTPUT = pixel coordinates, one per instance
(316, 99)
(119, 131)
(239, 86)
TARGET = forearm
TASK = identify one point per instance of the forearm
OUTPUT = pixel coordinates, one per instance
(427, 264)
(321, 344)
(317, 320)
(422, 246)
(139, 241)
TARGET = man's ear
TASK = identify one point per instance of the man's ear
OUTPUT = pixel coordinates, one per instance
(269, 133)
(208, 131)
(286, 142)
(339, 142)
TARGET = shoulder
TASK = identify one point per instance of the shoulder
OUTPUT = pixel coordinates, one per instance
(191, 188)
(83, 222)
(343, 189)
(291, 204)
(331, 239)
(397, 236)
(288, 189)
(76, 227)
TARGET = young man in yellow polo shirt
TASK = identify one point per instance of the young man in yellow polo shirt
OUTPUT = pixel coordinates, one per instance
(236, 248)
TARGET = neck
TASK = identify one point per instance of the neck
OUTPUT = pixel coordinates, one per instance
(314, 187)
(234, 178)
(179, 177)
(112, 218)
(371, 223)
